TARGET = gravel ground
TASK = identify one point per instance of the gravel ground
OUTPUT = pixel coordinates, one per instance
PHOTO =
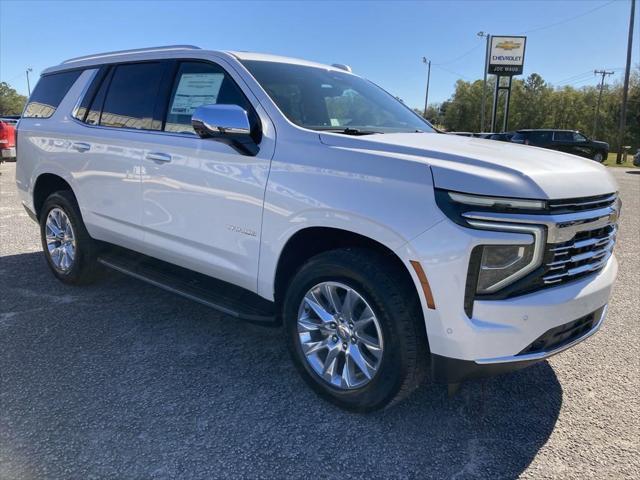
(122, 380)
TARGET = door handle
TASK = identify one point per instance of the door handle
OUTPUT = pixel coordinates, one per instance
(81, 146)
(158, 157)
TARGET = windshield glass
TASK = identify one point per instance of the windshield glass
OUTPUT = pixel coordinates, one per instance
(321, 99)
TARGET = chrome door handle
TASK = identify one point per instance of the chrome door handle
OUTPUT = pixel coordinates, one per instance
(158, 157)
(81, 146)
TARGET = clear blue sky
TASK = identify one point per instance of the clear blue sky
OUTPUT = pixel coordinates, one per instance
(383, 40)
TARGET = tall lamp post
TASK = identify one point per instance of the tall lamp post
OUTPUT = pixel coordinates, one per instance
(29, 85)
(426, 95)
(484, 82)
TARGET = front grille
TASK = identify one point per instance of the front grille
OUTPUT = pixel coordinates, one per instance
(564, 334)
(581, 233)
(586, 253)
(579, 204)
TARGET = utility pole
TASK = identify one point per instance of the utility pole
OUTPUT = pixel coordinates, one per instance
(426, 95)
(625, 89)
(595, 119)
(28, 85)
(484, 82)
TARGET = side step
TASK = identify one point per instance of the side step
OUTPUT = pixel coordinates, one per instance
(222, 296)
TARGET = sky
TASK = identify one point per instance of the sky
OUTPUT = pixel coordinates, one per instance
(383, 41)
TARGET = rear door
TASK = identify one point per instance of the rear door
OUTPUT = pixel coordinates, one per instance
(116, 119)
(563, 141)
(203, 200)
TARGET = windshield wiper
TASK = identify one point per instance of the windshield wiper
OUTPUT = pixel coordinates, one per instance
(351, 131)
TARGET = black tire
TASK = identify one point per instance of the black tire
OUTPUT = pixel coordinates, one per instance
(393, 298)
(85, 268)
(602, 155)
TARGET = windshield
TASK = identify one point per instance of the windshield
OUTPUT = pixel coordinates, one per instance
(321, 99)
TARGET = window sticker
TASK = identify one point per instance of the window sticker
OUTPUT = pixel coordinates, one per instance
(196, 89)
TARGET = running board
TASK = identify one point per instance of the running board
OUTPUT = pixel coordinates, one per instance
(221, 296)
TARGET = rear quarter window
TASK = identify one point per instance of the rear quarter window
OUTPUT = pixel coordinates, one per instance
(48, 94)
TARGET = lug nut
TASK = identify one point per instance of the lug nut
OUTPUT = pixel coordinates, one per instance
(334, 338)
(354, 339)
(344, 345)
(350, 324)
(333, 325)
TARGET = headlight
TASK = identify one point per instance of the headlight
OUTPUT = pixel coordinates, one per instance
(493, 267)
(497, 203)
(455, 204)
(500, 264)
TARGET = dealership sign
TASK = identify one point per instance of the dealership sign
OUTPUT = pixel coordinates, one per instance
(507, 55)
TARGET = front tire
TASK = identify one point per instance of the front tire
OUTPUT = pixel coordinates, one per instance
(355, 329)
(599, 157)
(70, 252)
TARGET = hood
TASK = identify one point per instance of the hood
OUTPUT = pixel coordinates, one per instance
(488, 167)
(598, 142)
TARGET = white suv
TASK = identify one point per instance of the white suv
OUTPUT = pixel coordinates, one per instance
(280, 190)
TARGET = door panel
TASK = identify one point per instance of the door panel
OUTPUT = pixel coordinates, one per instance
(111, 144)
(202, 200)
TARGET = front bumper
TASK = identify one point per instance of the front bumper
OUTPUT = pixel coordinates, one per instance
(493, 338)
(452, 370)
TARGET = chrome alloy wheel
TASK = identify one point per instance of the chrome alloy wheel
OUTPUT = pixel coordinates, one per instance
(340, 335)
(61, 241)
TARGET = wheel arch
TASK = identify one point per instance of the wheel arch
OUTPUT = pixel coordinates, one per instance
(310, 241)
(45, 185)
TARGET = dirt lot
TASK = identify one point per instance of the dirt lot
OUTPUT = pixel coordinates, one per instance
(122, 380)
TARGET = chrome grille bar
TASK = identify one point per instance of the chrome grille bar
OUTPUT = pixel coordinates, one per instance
(580, 256)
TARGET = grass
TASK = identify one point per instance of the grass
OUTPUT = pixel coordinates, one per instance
(611, 161)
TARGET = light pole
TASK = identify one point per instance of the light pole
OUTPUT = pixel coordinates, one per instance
(426, 95)
(484, 82)
(28, 85)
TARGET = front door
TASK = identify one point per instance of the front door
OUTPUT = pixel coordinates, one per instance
(202, 200)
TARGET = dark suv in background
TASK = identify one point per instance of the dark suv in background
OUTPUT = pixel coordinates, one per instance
(569, 141)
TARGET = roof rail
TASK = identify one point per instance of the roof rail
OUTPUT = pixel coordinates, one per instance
(132, 51)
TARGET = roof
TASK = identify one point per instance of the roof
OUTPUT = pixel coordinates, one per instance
(522, 130)
(266, 57)
(149, 52)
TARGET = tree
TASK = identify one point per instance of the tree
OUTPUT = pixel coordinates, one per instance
(537, 104)
(11, 102)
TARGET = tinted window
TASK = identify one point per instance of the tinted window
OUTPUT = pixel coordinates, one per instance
(563, 136)
(518, 138)
(578, 137)
(196, 84)
(130, 101)
(539, 137)
(95, 108)
(80, 112)
(322, 99)
(48, 94)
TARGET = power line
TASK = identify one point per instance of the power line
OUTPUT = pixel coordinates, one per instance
(452, 72)
(459, 57)
(567, 20)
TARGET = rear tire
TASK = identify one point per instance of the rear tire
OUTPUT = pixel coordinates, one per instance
(70, 252)
(386, 289)
(599, 157)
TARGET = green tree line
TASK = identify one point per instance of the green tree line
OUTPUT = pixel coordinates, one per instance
(538, 104)
(11, 102)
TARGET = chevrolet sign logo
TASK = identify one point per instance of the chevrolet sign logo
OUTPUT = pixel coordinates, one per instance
(508, 45)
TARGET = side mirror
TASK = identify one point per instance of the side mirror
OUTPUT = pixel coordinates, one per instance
(228, 124)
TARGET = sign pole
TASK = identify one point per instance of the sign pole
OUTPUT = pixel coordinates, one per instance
(507, 100)
(495, 104)
(506, 59)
